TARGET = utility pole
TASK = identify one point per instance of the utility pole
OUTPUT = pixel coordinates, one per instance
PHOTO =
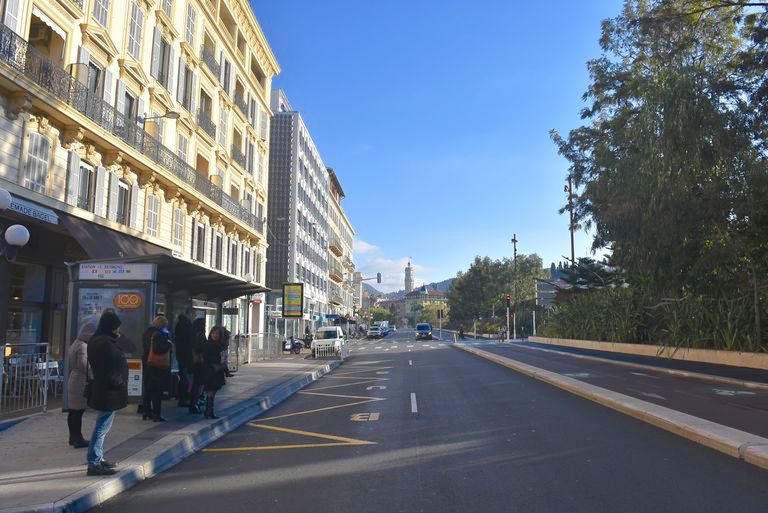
(569, 190)
(514, 309)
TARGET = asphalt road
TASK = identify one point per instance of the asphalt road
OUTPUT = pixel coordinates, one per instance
(407, 426)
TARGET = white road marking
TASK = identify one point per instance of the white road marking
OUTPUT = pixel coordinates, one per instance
(410, 362)
(410, 345)
(655, 396)
(578, 375)
(377, 347)
(639, 374)
(414, 407)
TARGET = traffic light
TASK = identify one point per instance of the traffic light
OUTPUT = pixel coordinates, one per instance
(508, 297)
(439, 314)
(378, 277)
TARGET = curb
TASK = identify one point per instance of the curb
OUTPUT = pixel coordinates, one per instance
(174, 448)
(733, 442)
(674, 372)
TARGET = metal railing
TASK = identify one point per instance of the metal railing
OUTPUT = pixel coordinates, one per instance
(205, 122)
(240, 103)
(29, 62)
(252, 347)
(238, 156)
(25, 377)
(340, 351)
(210, 61)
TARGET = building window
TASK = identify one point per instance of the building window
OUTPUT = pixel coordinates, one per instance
(190, 28)
(167, 7)
(198, 247)
(246, 261)
(178, 226)
(85, 188)
(38, 157)
(94, 78)
(217, 250)
(101, 11)
(153, 214)
(232, 257)
(183, 144)
(123, 202)
(186, 82)
(134, 34)
(161, 57)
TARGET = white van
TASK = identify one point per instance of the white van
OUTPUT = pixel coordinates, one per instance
(328, 341)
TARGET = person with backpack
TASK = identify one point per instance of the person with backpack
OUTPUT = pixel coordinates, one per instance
(158, 366)
(108, 391)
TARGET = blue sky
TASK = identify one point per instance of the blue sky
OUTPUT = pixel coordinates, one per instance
(435, 116)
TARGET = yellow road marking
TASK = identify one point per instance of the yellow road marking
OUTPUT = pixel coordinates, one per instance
(338, 441)
(358, 371)
(372, 380)
(343, 396)
(307, 412)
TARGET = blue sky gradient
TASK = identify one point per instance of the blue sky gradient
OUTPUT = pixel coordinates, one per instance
(435, 116)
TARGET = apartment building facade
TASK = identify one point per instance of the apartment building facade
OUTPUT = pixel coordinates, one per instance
(134, 129)
(341, 267)
(298, 217)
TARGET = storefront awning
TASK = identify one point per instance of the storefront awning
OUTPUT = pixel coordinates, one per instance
(100, 242)
(181, 276)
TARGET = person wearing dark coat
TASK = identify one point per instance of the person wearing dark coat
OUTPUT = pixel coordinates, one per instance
(184, 339)
(212, 369)
(146, 405)
(198, 328)
(158, 370)
(109, 388)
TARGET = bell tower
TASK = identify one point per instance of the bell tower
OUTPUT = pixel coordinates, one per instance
(408, 277)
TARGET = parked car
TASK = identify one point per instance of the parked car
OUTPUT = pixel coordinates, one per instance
(374, 332)
(328, 341)
(423, 331)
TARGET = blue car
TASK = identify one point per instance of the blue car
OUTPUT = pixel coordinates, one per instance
(423, 331)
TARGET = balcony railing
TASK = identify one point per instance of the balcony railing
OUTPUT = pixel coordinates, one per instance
(210, 61)
(204, 120)
(238, 156)
(30, 63)
(241, 103)
(334, 244)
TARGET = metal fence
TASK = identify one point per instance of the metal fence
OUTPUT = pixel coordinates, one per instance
(252, 347)
(26, 376)
(331, 351)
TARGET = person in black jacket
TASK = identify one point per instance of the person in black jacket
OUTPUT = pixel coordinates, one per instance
(212, 369)
(198, 328)
(157, 358)
(184, 339)
(146, 404)
(109, 388)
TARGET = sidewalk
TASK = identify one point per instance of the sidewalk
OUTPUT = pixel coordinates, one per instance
(40, 472)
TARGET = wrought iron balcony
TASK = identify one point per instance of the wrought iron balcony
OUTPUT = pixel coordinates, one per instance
(210, 61)
(241, 103)
(28, 62)
(238, 156)
(204, 120)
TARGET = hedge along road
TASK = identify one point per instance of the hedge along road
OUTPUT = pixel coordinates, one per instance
(473, 437)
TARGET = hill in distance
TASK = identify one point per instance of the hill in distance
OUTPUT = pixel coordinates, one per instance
(442, 286)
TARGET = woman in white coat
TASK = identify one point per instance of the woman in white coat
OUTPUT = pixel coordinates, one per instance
(77, 363)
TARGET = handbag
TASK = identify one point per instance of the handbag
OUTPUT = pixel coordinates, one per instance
(158, 360)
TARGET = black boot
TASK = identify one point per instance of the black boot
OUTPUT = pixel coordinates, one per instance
(209, 414)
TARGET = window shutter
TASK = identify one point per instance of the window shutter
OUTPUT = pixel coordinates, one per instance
(134, 212)
(221, 67)
(108, 91)
(73, 177)
(194, 238)
(120, 103)
(182, 81)
(195, 92)
(140, 111)
(11, 18)
(99, 192)
(156, 51)
(171, 74)
(208, 244)
(231, 81)
(113, 196)
(83, 60)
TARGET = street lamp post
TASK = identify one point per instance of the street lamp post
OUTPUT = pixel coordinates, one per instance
(514, 307)
(569, 190)
(171, 114)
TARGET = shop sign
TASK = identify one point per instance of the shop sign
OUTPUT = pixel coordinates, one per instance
(230, 310)
(293, 300)
(114, 272)
(33, 210)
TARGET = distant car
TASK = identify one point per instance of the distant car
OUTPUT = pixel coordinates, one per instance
(374, 332)
(327, 341)
(423, 331)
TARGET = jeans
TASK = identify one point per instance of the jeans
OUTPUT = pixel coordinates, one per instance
(100, 430)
